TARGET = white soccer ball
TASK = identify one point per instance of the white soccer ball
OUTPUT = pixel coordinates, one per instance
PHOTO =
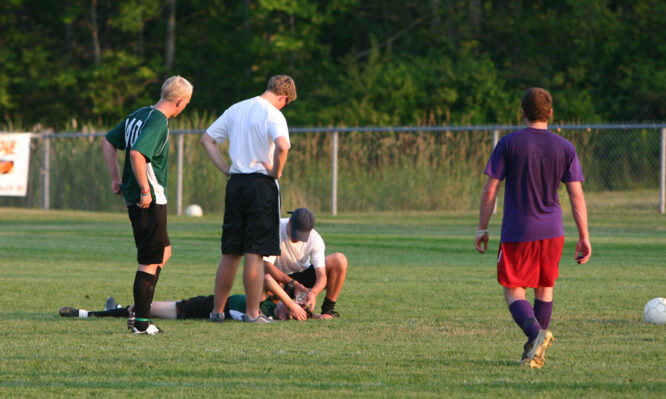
(655, 311)
(194, 210)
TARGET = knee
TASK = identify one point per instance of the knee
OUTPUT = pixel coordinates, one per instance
(337, 261)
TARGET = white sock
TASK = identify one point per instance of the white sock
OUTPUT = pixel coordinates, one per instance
(236, 315)
(83, 313)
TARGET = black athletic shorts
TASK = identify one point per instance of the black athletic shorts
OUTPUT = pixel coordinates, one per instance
(198, 307)
(306, 277)
(150, 232)
(251, 215)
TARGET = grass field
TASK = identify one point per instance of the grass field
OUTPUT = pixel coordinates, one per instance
(422, 314)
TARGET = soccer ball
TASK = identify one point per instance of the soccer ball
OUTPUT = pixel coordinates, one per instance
(655, 311)
(194, 210)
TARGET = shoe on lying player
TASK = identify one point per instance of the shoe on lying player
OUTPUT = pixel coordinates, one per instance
(67, 311)
(536, 355)
(152, 329)
(130, 320)
(111, 304)
(261, 319)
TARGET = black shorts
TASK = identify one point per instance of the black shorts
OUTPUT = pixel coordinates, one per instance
(251, 215)
(198, 307)
(150, 232)
(306, 277)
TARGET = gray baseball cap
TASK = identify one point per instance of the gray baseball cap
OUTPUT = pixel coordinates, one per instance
(302, 222)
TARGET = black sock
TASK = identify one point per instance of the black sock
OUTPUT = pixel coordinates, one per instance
(157, 277)
(327, 306)
(144, 289)
(119, 312)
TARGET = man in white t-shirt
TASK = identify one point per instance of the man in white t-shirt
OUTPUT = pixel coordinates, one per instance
(302, 266)
(258, 145)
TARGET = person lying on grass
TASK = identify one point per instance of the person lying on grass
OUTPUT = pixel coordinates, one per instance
(199, 307)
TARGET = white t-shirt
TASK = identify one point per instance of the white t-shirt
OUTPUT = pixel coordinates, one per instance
(251, 126)
(298, 256)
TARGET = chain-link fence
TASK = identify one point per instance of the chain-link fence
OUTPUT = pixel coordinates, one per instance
(357, 169)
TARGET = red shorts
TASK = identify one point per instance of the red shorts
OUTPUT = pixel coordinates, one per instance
(529, 264)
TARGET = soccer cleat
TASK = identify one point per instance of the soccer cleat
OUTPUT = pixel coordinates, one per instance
(67, 311)
(261, 319)
(536, 355)
(526, 348)
(152, 329)
(110, 303)
(216, 317)
(130, 321)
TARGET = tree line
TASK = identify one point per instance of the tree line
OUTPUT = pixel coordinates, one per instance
(355, 62)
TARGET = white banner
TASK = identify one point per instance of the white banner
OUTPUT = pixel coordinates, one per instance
(14, 164)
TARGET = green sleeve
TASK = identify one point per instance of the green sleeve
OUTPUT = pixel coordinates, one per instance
(116, 136)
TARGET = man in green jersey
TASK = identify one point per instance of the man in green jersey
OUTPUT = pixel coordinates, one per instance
(279, 306)
(144, 136)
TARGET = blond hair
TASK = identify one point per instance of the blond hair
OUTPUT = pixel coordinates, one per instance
(283, 85)
(176, 87)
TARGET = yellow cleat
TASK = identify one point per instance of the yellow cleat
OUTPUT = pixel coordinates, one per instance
(535, 356)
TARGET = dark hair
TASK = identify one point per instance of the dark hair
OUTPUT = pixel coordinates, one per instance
(537, 104)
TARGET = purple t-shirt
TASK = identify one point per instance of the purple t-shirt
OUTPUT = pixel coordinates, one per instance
(533, 162)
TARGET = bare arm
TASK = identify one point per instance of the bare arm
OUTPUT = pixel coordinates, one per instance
(281, 277)
(279, 158)
(272, 285)
(276, 273)
(214, 153)
(319, 286)
(139, 168)
(109, 152)
(488, 198)
(579, 211)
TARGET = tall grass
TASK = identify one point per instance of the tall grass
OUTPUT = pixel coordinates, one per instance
(377, 171)
(618, 160)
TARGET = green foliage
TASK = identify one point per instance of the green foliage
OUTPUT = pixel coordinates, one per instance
(132, 15)
(355, 62)
(130, 79)
(389, 90)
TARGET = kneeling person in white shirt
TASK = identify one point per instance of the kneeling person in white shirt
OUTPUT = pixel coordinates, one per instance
(302, 267)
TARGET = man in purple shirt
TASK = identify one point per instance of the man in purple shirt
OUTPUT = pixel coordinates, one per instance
(533, 161)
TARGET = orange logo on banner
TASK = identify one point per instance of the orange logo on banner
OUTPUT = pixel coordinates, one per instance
(7, 147)
(6, 167)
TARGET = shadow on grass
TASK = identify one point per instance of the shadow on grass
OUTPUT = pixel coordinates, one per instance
(507, 363)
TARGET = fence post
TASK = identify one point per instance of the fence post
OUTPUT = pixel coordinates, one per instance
(46, 172)
(495, 140)
(334, 173)
(179, 185)
(662, 185)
